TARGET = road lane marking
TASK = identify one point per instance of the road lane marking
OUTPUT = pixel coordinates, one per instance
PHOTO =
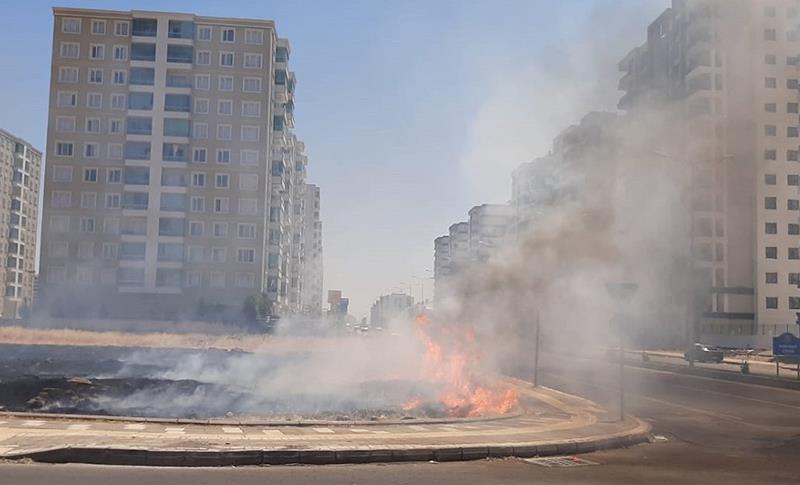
(136, 426)
(762, 401)
(232, 430)
(79, 426)
(728, 417)
(417, 427)
(323, 430)
(273, 433)
(33, 423)
(174, 430)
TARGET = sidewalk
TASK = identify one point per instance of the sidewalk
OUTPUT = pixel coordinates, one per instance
(555, 423)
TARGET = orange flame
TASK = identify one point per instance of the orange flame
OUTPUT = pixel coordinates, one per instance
(451, 361)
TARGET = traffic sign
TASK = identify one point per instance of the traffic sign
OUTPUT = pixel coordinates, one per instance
(786, 345)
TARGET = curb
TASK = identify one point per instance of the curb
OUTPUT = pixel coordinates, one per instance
(330, 456)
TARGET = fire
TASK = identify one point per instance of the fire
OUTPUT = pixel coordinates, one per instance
(451, 361)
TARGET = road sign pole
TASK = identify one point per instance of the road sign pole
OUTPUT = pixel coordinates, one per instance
(536, 354)
(621, 380)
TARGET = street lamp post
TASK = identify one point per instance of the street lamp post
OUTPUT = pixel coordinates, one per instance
(621, 293)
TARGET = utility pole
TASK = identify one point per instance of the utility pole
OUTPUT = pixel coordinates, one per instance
(536, 353)
(621, 293)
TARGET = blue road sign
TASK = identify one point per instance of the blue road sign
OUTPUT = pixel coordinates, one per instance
(786, 345)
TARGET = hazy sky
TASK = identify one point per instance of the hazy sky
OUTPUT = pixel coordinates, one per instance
(412, 111)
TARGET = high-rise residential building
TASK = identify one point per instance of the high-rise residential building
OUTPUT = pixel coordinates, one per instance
(724, 73)
(441, 266)
(171, 164)
(20, 166)
(459, 246)
(489, 230)
(311, 292)
(389, 308)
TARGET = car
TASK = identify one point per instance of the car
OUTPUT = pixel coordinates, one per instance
(704, 353)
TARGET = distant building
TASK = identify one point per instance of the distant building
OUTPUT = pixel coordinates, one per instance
(459, 247)
(311, 293)
(389, 307)
(20, 169)
(441, 265)
(489, 229)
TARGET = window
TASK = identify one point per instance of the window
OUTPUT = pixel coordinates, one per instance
(173, 202)
(791, 131)
(250, 133)
(98, 27)
(129, 276)
(61, 199)
(228, 34)
(791, 84)
(140, 101)
(198, 179)
(248, 181)
(118, 77)
(793, 253)
(770, 154)
(118, 103)
(770, 203)
(134, 226)
(770, 59)
(143, 52)
(64, 149)
(65, 124)
(171, 177)
(221, 181)
(70, 50)
(771, 252)
(94, 100)
(58, 249)
(171, 226)
(200, 131)
(135, 200)
(113, 201)
(87, 224)
(176, 127)
(770, 82)
(202, 81)
(793, 229)
(200, 155)
(791, 155)
(59, 223)
(794, 303)
(193, 279)
(68, 74)
(204, 33)
(90, 175)
(793, 204)
(769, 11)
(770, 228)
(225, 107)
(67, 99)
(201, 106)
(198, 204)
(203, 58)
(771, 278)
(251, 85)
(770, 130)
(792, 179)
(194, 254)
(114, 176)
(220, 229)
(177, 102)
(142, 76)
(88, 200)
(145, 27)
(769, 34)
(121, 28)
(223, 156)
(71, 26)
(175, 152)
(62, 173)
(180, 53)
(770, 179)
(219, 255)
(137, 175)
(217, 279)
(221, 205)
(251, 109)
(252, 61)
(225, 83)
(248, 206)
(226, 59)
(97, 52)
(110, 251)
(178, 79)
(253, 37)
(248, 157)
(132, 251)
(196, 228)
(180, 29)
(247, 231)
(245, 280)
(115, 151)
(139, 125)
(247, 256)
(137, 150)
(90, 150)
(224, 132)
(794, 279)
(95, 76)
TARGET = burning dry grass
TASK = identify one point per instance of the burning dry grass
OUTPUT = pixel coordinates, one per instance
(250, 343)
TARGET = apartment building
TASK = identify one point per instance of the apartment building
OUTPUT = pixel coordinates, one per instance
(388, 308)
(726, 72)
(20, 166)
(164, 136)
(489, 230)
(441, 266)
(311, 292)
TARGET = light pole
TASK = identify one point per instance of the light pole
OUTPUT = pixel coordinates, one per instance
(621, 293)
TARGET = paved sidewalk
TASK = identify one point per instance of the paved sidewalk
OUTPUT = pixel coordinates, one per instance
(553, 423)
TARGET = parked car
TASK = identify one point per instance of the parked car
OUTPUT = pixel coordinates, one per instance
(704, 353)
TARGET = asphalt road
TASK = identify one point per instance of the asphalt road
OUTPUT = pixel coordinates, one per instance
(715, 432)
